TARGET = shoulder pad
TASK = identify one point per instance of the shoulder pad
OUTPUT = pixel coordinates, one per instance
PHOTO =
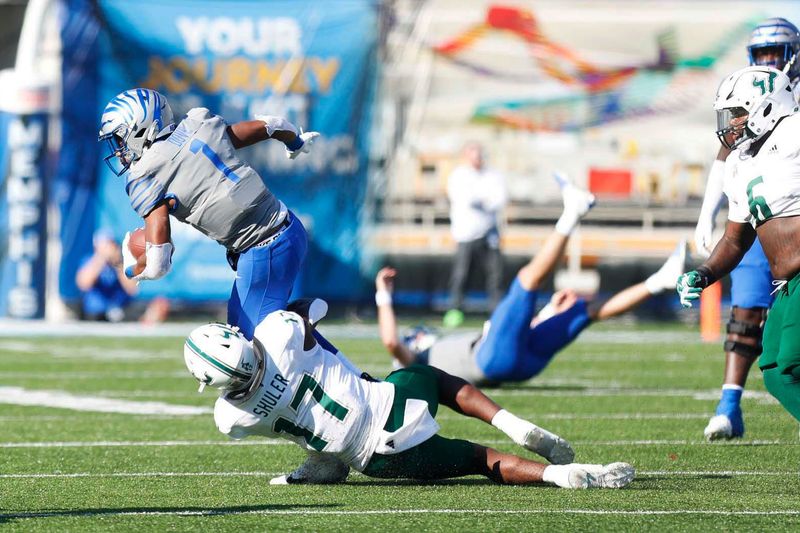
(279, 331)
(199, 113)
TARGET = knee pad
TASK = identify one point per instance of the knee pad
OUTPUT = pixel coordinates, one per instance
(738, 329)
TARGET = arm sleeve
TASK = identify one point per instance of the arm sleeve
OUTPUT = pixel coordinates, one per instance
(712, 199)
(737, 211)
(144, 192)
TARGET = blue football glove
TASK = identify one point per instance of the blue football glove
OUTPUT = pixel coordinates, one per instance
(689, 287)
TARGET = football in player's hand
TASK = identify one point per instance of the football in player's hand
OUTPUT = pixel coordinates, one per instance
(136, 244)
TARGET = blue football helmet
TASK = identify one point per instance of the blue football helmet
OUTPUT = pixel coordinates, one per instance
(774, 43)
(131, 121)
(419, 340)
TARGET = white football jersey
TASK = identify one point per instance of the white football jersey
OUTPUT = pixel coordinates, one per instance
(766, 185)
(309, 397)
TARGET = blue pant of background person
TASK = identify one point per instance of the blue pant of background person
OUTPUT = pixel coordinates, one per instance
(751, 280)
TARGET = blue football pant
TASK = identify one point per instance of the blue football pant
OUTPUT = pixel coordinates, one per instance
(265, 276)
(751, 280)
(512, 350)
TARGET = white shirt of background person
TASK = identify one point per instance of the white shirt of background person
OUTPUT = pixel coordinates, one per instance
(477, 194)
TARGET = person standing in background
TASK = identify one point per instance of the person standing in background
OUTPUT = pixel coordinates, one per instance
(477, 195)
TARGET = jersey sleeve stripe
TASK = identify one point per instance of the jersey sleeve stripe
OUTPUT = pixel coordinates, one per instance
(143, 211)
(145, 194)
(134, 184)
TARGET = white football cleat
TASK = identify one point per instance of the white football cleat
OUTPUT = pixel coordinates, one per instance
(549, 445)
(576, 200)
(318, 469)
(718, 428)
(666, 278)
(612, 476)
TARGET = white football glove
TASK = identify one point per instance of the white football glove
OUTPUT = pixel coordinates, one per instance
(128, 261)
(308, 139)
(689, 287)
(703, 235)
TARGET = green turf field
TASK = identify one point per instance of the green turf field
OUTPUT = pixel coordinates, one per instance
(620, 393)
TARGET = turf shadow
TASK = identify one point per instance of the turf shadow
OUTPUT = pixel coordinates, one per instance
(133, 511)
(375, 482)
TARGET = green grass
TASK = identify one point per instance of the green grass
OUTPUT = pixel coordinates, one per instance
(644, 402)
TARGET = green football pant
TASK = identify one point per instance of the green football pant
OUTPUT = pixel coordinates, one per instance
(780, 361)
(785, 388)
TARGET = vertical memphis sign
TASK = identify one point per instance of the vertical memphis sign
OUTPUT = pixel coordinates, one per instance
(312, 62)
(23, 151)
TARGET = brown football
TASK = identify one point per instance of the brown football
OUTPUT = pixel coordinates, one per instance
(136, 243)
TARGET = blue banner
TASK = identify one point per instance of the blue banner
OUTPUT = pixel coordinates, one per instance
(23, 214)
(313, 62)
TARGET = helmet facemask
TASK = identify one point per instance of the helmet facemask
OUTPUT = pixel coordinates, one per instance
(732, 127)
(776, 56)
(120, 155)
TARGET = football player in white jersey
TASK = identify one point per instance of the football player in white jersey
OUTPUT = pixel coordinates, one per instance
(516, 343)
(773, 43)
(191, 171)
(757, 119)
(286, 385)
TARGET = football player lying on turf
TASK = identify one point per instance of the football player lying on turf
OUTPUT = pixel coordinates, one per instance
(757, 118)
(517, 344)
(286, 384)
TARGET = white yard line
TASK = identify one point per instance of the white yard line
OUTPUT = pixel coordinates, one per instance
(705, 394)
(378, 512)
(165, 443)
(138, 474)
(593, 416)
(65, 400)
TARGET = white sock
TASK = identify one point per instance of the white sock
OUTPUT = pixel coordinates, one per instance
(653, 284)
(732, 386)
(557, 475)
(567, 222)
(513, 426)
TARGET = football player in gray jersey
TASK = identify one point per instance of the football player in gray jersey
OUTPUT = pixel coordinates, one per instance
(191, 171)
(517, 344)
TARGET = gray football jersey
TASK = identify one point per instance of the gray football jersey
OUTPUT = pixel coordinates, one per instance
(214, 190)
(455, 354)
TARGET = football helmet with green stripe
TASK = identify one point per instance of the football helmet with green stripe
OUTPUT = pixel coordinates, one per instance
(219, 356)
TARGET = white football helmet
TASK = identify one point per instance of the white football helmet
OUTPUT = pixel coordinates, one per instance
(775, 43)
(131, 121)
(219, 356)
(762, 95)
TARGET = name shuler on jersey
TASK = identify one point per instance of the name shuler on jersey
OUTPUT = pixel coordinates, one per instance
(227, 201)
(316, 400)
(757, 185)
